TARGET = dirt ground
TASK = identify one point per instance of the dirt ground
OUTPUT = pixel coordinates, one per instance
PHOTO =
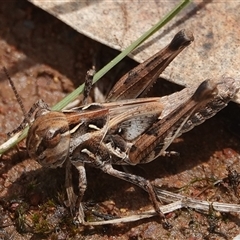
(46, 59)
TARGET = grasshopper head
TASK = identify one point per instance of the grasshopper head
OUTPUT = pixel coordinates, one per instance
(49, 138)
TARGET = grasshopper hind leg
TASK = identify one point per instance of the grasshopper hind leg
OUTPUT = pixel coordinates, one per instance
(141, 182)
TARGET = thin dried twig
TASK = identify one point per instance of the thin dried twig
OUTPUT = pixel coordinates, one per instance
(177, 201)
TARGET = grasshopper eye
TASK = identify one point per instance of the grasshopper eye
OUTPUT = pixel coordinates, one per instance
(52, 138)
(48, 139)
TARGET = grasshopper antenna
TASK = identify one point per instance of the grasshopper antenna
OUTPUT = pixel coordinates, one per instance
(17, 96)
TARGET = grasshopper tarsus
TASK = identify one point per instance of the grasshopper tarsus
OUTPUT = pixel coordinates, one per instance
(88, 84)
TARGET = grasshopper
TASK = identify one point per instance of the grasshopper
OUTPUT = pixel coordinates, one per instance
(125, 130)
